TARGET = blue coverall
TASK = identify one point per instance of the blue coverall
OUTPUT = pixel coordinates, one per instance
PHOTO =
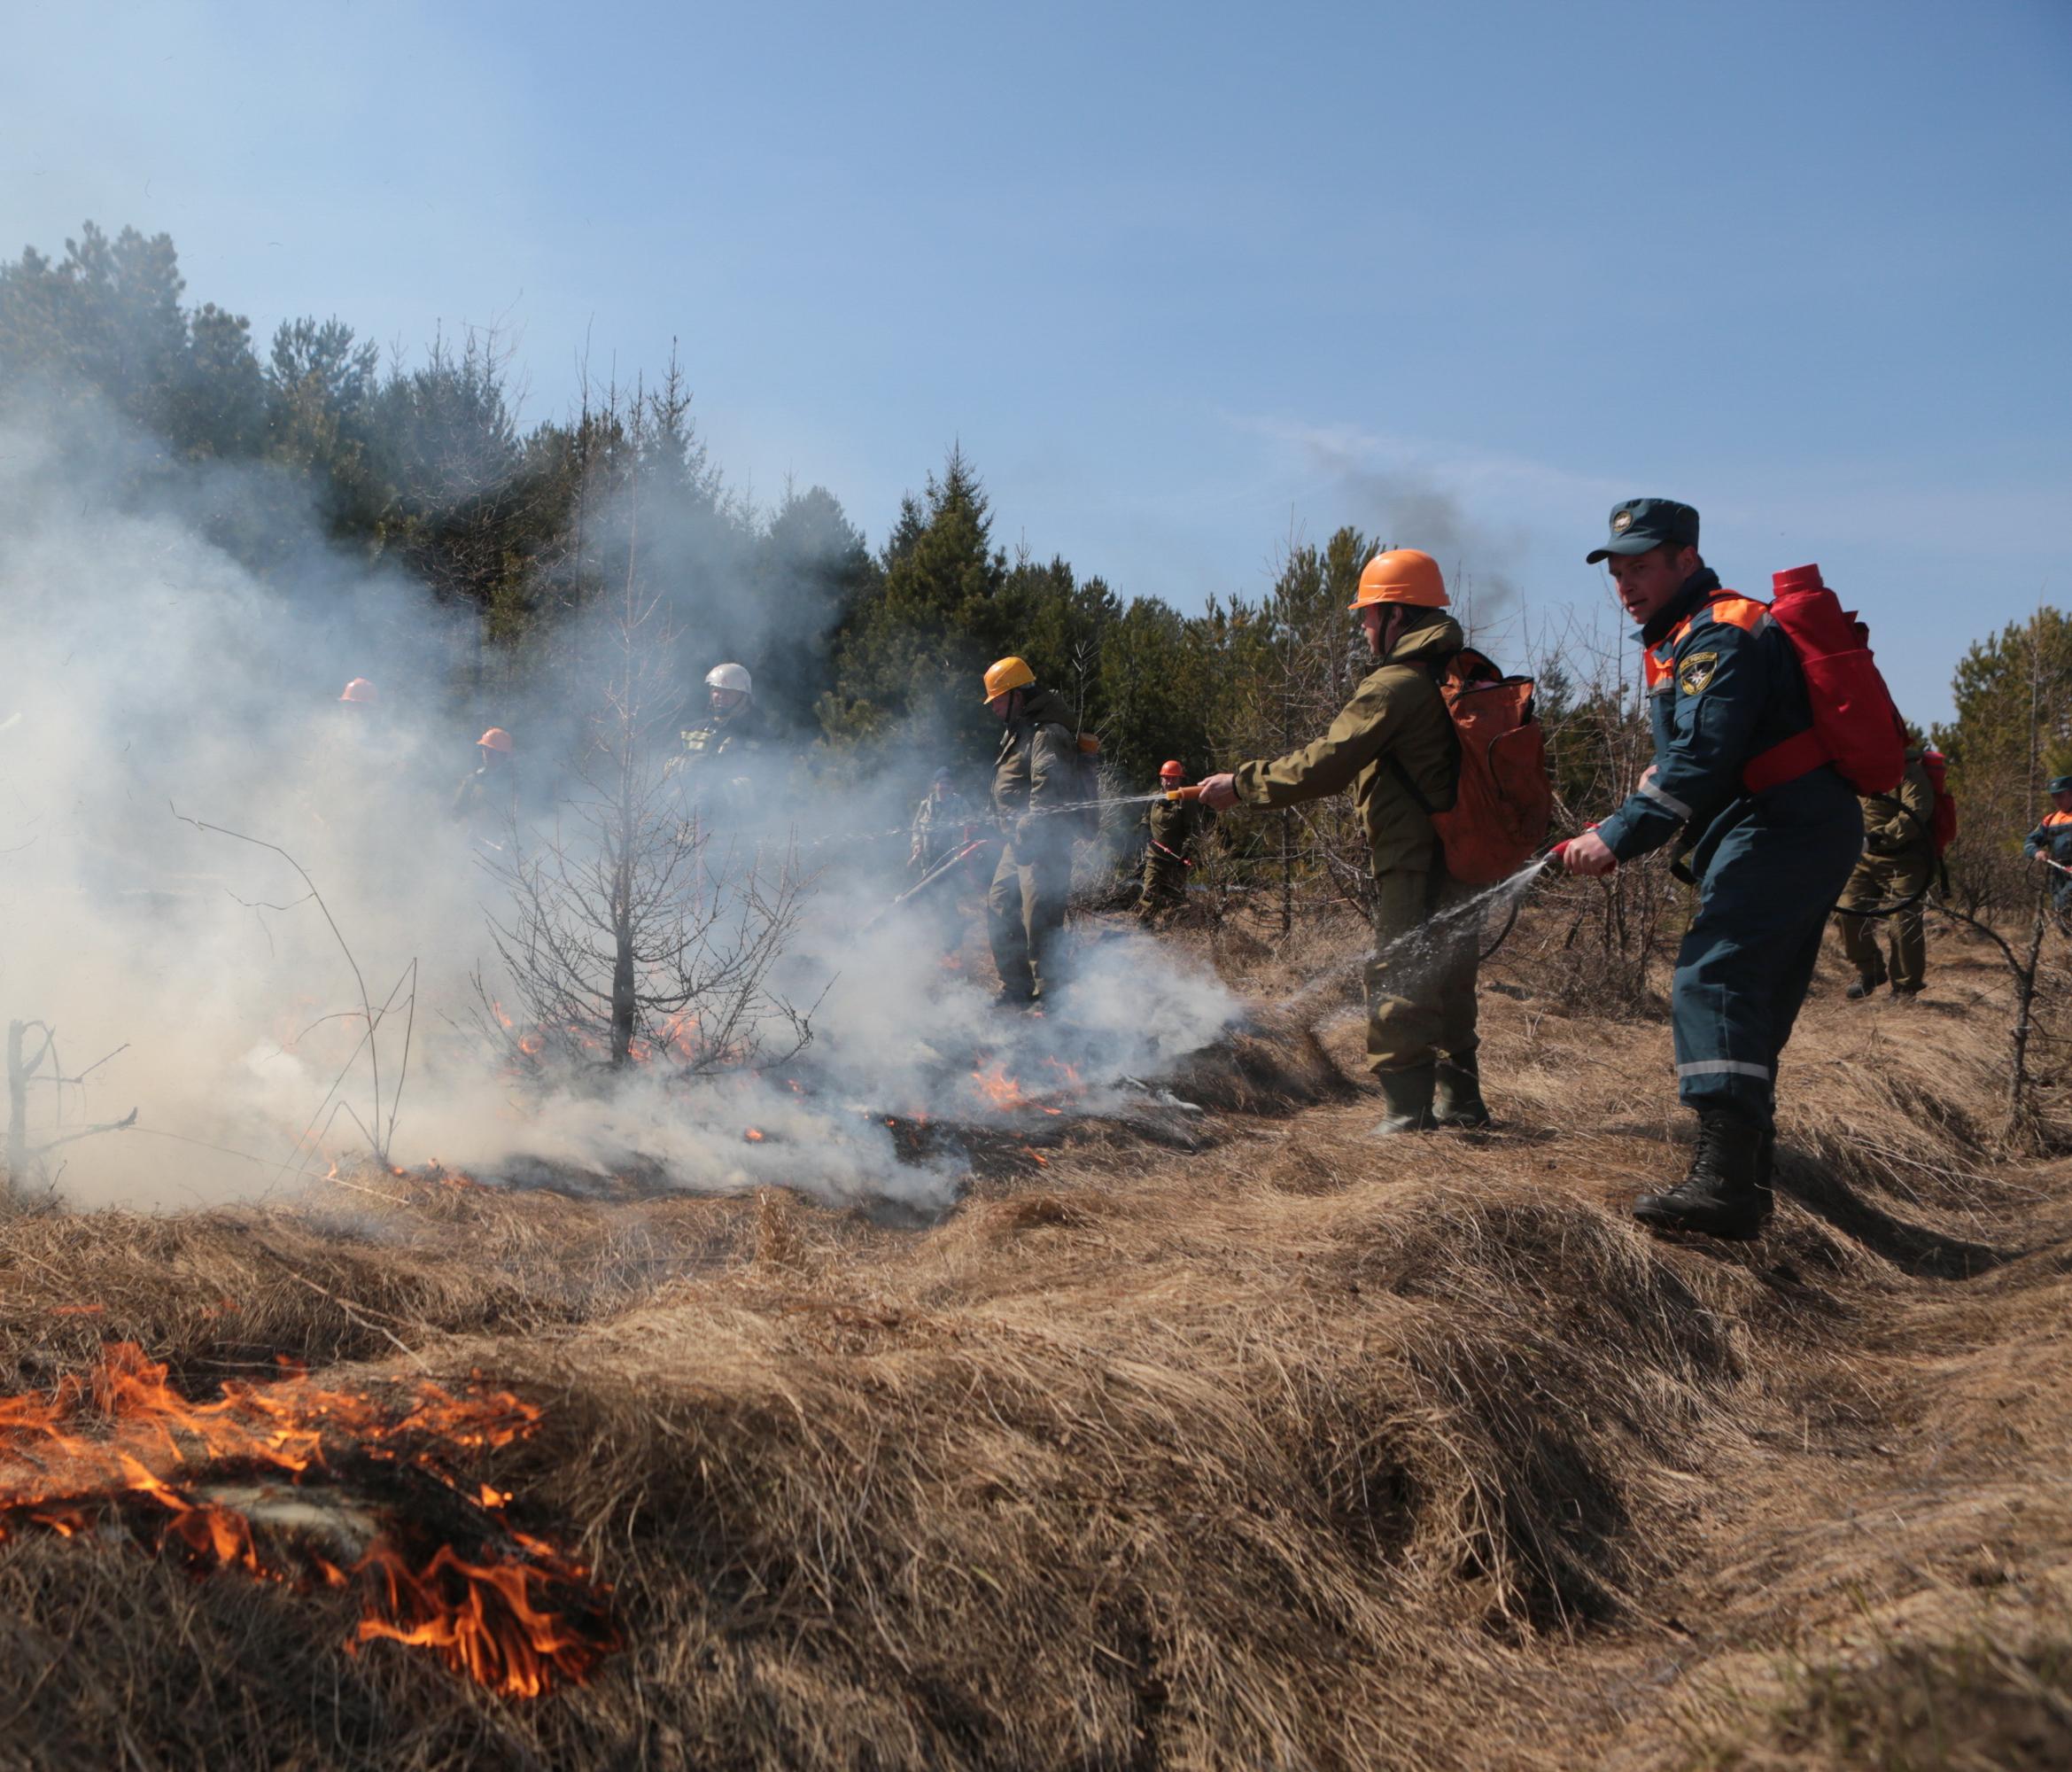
(2053, 837)
(1725, 686)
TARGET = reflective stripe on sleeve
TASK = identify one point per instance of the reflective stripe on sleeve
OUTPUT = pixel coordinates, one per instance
(1723, 1067)
(1668, 803)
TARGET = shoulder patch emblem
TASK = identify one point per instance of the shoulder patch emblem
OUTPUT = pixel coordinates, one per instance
(1695, 672)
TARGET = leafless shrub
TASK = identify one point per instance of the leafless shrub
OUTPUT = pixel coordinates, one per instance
(635, 931)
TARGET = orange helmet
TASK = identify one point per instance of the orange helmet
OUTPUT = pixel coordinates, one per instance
(1403, 575)
(1008, 673)
(1172, 770)
(359, 690)
(496, 738)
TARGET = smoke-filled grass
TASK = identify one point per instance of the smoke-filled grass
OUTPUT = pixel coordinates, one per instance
(290, 928)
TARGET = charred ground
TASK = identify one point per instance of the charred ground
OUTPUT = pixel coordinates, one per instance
(1263, 1445)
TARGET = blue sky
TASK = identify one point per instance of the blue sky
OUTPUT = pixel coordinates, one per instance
(1185, 281)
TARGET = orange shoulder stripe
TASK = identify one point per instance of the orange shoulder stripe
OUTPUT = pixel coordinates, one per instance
(1738, 611)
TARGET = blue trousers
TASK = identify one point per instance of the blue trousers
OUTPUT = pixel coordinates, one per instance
(1767, 884)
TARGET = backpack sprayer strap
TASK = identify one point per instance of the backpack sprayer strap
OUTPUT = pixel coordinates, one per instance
(1786, 761)
(1408, 786)
(1431, 672)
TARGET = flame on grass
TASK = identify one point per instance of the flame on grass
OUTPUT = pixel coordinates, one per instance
(121, 1443)
(1007, 1094)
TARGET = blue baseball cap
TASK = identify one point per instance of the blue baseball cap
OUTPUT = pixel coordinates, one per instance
(1641, 523)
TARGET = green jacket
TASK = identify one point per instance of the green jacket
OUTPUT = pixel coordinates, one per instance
(1177, 823)
(1902, 821)
(1396, 718)
(1039, 764)
(728, 763)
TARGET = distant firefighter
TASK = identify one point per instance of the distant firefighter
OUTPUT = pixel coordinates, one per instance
(1890, 883)
(1176, 826)
(721, 753)
(2049, 844)
(488, 794)
(943, 825)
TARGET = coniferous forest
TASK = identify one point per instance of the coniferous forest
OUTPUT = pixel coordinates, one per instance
(314, 456)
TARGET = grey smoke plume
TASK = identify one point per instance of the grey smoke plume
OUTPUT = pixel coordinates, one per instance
(147, 680)
(1408, 508)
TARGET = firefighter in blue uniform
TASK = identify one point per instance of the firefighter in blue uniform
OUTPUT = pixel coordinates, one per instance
(1725, 686)
(2052, 841)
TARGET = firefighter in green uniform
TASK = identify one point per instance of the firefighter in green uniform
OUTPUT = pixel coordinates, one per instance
(2051, 842)
(719, 766)
(1890, 883)
(1175, 827)
(488, 798)
(1035, 773)
(941, 826)
(1393, 745)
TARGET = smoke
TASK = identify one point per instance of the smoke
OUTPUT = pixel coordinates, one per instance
(1405, 506)
(151, 686)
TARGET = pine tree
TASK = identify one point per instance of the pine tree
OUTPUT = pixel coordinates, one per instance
(913, 656)
(2013, 732)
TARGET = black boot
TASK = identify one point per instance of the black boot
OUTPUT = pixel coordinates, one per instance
(1727, 1192)
(1457, 1100)
(1408, 1096)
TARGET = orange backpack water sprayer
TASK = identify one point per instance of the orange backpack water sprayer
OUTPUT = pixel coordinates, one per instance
(1855, 726)
(1499, 817)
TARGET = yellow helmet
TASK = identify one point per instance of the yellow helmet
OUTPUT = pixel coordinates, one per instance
(1008, 673)
(1403, 575)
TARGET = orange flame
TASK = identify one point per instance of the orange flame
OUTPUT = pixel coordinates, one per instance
(753, 1136)
(999, 1088)
(481, 1619)
(489, 1619)
(1006, 1094)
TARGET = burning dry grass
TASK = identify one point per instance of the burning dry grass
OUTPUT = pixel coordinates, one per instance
(1296, 1450)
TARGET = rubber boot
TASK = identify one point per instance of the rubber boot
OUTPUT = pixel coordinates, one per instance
(1725, 1193)
(1457, 1100)
(1408, 1096)
(1865, 983)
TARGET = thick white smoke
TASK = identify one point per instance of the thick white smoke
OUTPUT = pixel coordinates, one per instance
(147, 680)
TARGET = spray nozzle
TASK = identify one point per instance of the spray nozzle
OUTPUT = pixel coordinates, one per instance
(1558, 854)
(1192, 791)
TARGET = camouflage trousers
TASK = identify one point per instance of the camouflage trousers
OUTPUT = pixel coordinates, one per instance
(1883, 899)
(1421, 981)
(1165, 881)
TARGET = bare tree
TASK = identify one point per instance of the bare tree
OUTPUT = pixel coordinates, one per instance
(2024, 1128)
(42, 1066)
(1600, 946)
(635, 932)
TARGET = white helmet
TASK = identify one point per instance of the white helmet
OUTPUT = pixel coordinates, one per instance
(730, 677)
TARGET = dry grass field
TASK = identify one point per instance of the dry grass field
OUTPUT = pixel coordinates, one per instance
(1291, 1450)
